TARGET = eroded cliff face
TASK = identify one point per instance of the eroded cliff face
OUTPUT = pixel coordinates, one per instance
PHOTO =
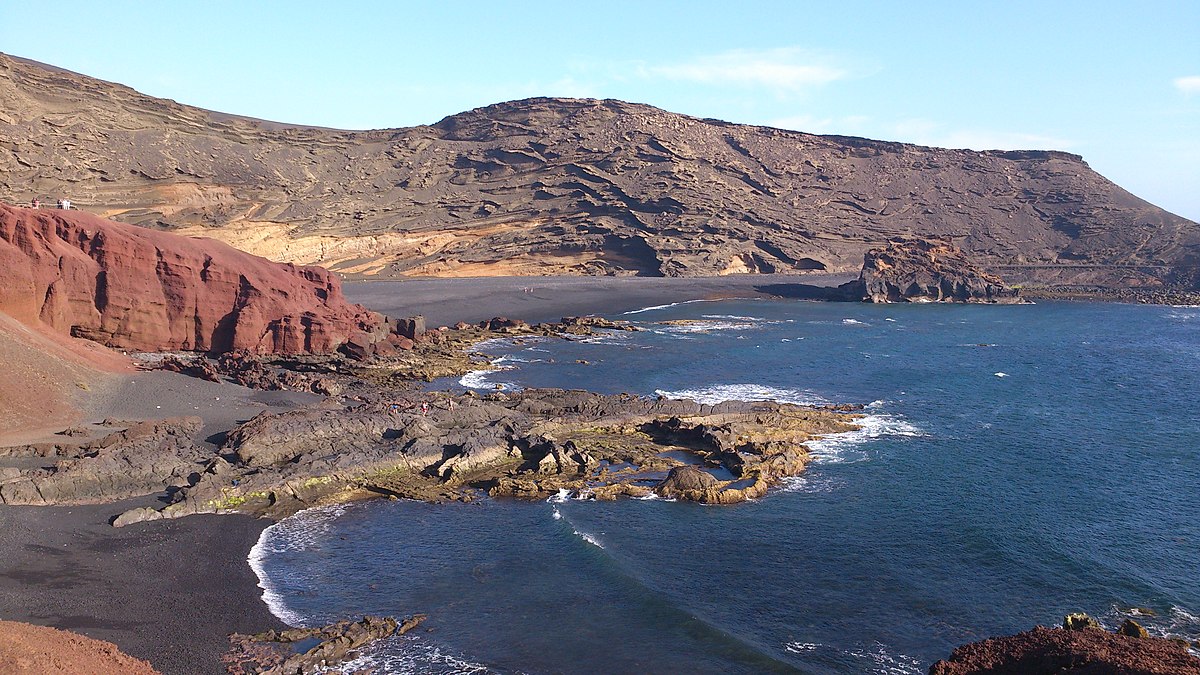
(570, 186)
(132, 288)
(923, 270)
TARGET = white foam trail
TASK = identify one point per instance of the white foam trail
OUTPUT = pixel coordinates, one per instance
(732, 317)
(294, 533)
(745, 392)
(809, 483)
(589, 539)
(557, 515)
(704, 327)
(668, 306)
(853, 322)
(881, 660)
(412, 655)
(1001, 374)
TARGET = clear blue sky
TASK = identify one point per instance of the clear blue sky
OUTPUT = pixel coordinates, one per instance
(1118, 82)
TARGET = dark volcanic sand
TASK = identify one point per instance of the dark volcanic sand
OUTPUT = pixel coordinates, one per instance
(168, 592)
(445, 302)
(171, 591)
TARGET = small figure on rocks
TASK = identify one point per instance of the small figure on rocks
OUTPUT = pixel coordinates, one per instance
(36, 203)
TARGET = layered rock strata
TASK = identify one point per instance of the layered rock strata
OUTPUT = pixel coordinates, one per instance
(921, 270)
(529, 444)
(570, 186)
(132, 288)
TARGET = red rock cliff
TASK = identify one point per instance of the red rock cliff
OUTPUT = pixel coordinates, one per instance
(133, 288)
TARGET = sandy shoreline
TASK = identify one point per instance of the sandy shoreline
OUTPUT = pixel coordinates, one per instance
(168, 592)
(171, 591)
(444, 302)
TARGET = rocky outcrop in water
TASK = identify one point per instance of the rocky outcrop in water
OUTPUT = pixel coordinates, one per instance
(570, 186)
(280, 652)
(921, 270)
(1055, 651)
(132, 288)
(529, 444)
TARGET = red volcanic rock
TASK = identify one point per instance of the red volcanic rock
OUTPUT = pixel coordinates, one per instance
(1053, 650)
(133, 288)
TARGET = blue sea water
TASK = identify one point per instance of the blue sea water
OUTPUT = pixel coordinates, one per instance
(1018, 463)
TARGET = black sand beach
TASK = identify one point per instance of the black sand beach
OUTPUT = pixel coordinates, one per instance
(168, 592)
(171, 591)
(535, 299)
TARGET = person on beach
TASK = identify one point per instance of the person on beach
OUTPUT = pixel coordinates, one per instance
(35, 203)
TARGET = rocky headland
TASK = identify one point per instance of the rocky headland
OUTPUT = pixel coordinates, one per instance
(571, 186)
(130, 288)
(1079, 646)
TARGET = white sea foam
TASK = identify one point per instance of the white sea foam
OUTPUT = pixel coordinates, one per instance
(883, 661)
(745, 392)
(801, 647)
(732, 317)
(655, 308)
(707, 326)
(411, 655)
(591, 539)
(1001, 374)
(811, 483)
(835, 448)
(876, 658)
(853, 322)
(560, 497)
(299, 532)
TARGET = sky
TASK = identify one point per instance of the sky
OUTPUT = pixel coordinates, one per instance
(1116, 82)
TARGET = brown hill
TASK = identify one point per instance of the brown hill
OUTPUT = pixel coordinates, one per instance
(73, 273)
(569, 186)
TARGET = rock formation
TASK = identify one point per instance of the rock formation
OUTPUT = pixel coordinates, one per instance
(276, 653)
(1053, 651)
(529, 444)
(570, 186)
(132, 288)
(920, 270)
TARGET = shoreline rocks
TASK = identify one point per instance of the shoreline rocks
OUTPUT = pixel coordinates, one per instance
(1080, 646)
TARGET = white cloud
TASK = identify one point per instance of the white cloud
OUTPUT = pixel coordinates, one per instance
(1188, 85)
(787, 69)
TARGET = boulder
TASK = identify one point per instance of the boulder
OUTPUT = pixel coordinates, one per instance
(925, 270)
(1079, 621)
(1132, 628)
(688, 483)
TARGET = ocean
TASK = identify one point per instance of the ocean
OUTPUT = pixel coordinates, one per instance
(1017, 463)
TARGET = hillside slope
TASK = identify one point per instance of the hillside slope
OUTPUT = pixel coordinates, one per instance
(568, 186)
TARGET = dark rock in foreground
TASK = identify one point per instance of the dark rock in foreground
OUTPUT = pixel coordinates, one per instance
(276, 653)
(1057, 651)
